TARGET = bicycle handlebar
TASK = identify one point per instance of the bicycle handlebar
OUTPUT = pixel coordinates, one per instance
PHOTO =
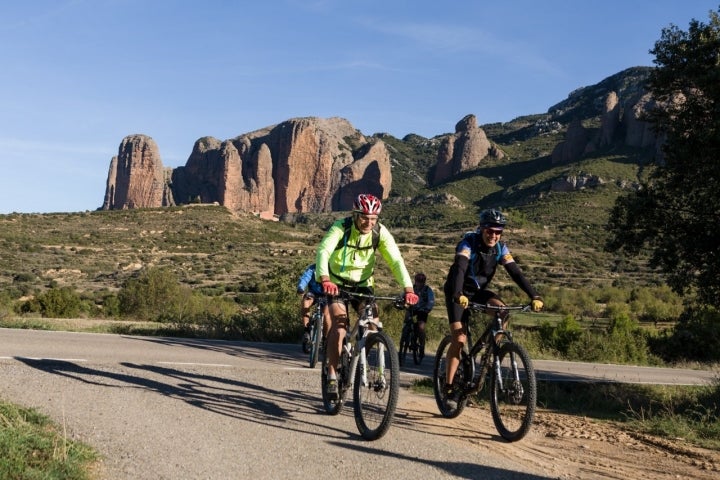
(371, 297)
(485, 307)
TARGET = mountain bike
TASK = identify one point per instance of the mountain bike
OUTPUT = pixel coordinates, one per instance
(316, 329)
(410, 340)
(494, 356)
(368, 365)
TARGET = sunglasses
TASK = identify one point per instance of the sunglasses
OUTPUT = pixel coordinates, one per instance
(493, 231)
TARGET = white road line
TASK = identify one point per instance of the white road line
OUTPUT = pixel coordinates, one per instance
(196, 364)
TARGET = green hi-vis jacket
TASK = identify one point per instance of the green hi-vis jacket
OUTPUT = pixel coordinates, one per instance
(352, 262)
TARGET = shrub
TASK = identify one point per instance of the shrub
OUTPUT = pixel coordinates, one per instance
(559, 337)
(155, 295)
(695, 337)
(55, 303)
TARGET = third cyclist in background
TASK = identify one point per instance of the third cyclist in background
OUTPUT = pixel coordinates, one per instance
(426, 302)
(477, 257)
(310, 290)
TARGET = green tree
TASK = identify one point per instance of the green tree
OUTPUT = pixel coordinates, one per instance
(676, 213)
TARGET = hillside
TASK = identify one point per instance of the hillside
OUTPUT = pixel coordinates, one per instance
(557, 236)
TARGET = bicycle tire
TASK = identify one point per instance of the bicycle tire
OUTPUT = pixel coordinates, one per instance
(334, 405)
(315, 338)
(376, 398)
(513, 405)
(439, 373)
(415, 348)
(404, 344)
(421, 348)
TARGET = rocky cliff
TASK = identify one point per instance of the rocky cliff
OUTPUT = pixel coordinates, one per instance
(620, 102)
(301, 165)
(464, 150)
(136, 178)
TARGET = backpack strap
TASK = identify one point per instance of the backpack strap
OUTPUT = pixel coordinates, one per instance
(347, 226)
(499, 245)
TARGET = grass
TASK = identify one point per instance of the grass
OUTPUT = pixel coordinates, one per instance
(32, 447)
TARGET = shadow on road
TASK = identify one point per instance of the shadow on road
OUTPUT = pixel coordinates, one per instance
(249, 402)
(458, 469)
(274, 353)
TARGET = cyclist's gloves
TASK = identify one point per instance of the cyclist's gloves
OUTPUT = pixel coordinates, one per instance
(463, 301)
(329, 288)
(411, 298)
(537, 304)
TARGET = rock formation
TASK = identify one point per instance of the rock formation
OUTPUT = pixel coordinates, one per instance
(136, 178)
(463, 151)
(576, 141)
(618, 119)
(301, 165)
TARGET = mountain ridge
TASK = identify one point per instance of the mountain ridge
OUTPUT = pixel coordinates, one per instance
(317, 165)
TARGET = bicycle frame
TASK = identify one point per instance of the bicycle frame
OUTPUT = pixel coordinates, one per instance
(494, 330)
(357, 336)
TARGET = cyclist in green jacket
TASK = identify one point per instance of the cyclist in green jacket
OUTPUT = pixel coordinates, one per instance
(345, 260)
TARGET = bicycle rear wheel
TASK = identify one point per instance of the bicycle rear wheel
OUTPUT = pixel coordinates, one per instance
(513, 396)
(315, 337)
(377, 387)
(334, 405)
(447, 410)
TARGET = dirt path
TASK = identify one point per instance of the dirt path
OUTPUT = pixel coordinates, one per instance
(570, 447)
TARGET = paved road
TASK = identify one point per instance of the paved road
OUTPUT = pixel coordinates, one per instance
(165, 408)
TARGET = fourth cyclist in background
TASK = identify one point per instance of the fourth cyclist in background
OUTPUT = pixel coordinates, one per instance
(346, 259)
(476, 259)
(426, 302)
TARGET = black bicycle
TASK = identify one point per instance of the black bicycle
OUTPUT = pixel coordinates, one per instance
(410, 340)
(494, 356)
(369, 366)
(316, 329)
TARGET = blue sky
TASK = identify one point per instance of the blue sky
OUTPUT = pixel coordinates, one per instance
(77, 76)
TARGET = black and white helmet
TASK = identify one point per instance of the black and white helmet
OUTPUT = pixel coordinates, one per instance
(492, 218)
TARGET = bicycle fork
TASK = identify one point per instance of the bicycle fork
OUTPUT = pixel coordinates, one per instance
(514, 391)
(360, 362)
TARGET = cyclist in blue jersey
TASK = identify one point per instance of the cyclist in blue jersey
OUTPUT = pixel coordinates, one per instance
(310, 290)
(477, 257)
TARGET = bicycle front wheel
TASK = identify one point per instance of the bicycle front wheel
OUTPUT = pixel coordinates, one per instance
(315, 337)
(415, 346)
(514, 393)
(404, 344)
(449, 407)
(377, 386)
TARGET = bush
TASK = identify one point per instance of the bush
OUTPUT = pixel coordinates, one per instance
(622, 342)
(155, 295)
(55, 303)
(559, 337)
(695, 337)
